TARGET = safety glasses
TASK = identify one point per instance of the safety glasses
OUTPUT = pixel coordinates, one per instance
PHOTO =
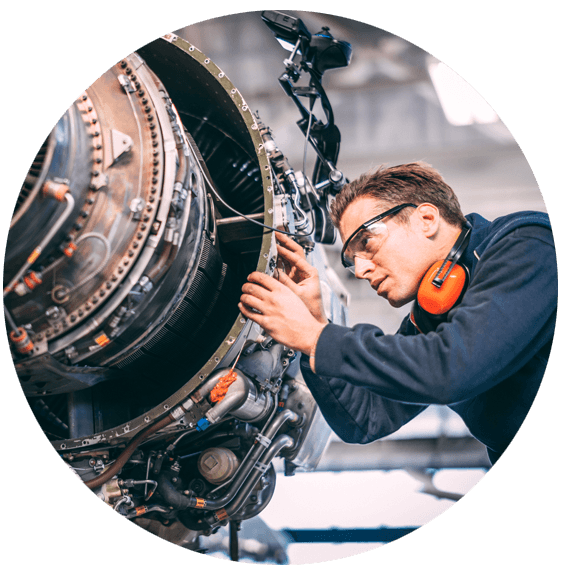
(365, 242)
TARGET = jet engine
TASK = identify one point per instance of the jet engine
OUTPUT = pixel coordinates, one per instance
(152, 199)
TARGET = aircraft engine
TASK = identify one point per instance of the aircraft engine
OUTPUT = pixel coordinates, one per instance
(150, 202)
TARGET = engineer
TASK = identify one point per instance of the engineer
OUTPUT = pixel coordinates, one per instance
(478, 343)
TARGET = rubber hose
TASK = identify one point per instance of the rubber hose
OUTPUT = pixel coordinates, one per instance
(126, 454)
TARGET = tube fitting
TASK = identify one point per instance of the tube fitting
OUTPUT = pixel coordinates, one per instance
(242, 399)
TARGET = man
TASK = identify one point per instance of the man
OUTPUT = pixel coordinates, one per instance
(484, 358)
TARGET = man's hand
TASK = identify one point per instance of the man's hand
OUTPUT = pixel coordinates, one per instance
(282, 314)
(300, 276)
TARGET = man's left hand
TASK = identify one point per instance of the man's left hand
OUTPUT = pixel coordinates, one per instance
(282, 314)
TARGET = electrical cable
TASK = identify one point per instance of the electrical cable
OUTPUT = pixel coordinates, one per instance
(215, 192)
(311, 103)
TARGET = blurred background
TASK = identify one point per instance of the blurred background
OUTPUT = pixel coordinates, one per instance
(395, 103)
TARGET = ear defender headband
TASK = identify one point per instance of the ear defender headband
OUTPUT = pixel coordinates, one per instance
(442, 287)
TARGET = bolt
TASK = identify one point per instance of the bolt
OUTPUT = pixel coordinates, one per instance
(60, 294)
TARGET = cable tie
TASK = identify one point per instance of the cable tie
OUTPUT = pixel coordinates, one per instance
(265, 441)
(262, 468)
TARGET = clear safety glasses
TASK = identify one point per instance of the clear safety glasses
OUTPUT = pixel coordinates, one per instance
(365, 242)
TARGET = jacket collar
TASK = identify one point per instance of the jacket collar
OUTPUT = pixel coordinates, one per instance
(484, 232)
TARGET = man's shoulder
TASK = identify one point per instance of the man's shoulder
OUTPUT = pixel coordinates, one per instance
(526, 224)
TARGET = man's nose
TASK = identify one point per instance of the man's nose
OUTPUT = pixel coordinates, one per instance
(362, 268)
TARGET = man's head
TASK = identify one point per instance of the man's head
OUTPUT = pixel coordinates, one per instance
(415, 183)
(397, 250)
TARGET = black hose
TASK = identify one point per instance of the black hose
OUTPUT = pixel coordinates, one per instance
(247, 465)
(171, 495)
(278, 444)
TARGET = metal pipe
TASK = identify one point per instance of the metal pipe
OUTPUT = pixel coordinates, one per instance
(242, 399)
(263, 444)
(105, 259)
(38, 250)
(145, 509)
(278, 444)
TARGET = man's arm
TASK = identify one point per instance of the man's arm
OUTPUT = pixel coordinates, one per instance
(506, 316)
(357, 415)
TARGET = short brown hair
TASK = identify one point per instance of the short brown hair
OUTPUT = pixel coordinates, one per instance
(414, 183)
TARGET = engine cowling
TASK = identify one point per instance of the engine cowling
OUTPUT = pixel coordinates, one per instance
(134, 282)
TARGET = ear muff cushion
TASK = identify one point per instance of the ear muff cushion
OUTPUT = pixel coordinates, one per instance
(437, 301)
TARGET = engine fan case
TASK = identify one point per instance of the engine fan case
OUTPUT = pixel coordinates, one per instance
(226, 134)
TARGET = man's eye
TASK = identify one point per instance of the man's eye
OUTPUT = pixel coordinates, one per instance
(364, 244)
(364, 241)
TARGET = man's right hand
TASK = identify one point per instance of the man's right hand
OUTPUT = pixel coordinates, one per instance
(300, 276)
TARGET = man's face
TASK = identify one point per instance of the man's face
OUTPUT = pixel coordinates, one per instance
(399, 264)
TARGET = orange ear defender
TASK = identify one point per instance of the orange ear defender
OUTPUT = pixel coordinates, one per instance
(442, 287)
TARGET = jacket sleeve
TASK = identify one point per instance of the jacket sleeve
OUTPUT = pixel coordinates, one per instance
(505, 317)
(355, 414)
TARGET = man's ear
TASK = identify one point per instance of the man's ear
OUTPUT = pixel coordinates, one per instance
(428, 219)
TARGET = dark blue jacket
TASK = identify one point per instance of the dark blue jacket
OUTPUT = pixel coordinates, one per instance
(485, 362)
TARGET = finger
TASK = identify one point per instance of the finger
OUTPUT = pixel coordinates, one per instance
(252, 302)
(285, 265)
(296, 261)
(291, 257)
(263, 280)
(249, 313)
(287, 281)
(289, 243)
(255, 290)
